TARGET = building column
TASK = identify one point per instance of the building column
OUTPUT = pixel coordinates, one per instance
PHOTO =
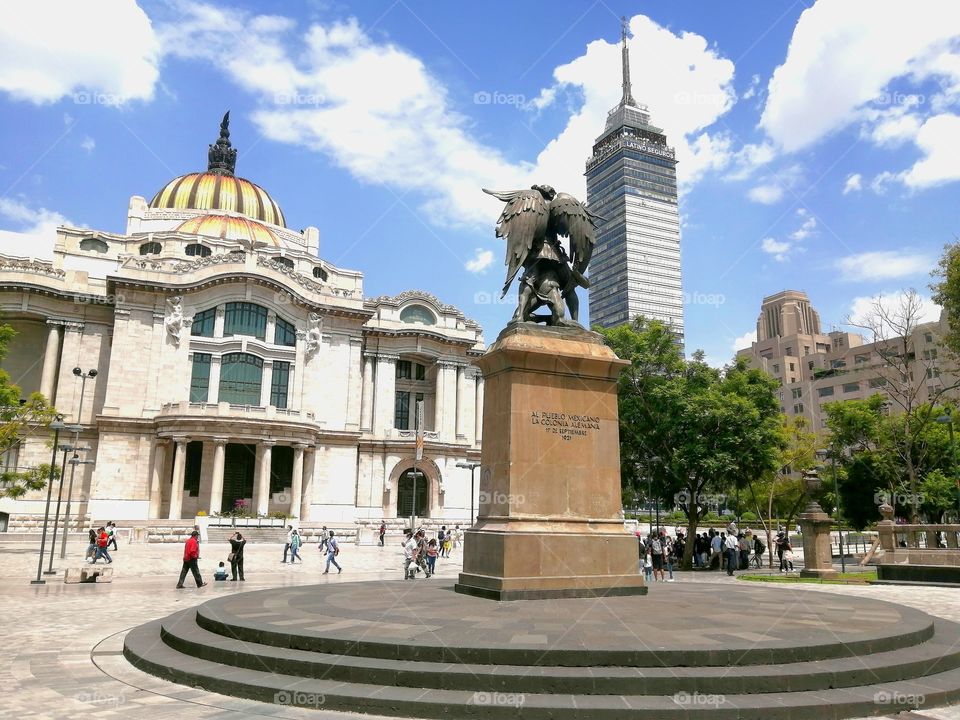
(461, 402)
(262, 481)
(179, 473)
(216, 482)
(306, 496)
(51, 360)
(366, 401)
(385, 395)
(446, 411)
(354, 384)
(478, 411)
(157, 476)
(296, 480)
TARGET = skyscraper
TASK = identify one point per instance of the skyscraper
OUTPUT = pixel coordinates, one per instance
(632, 183)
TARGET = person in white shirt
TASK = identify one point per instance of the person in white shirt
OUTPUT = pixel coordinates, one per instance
(286, 548)
(716, 548)
(409, 555)
(732, 546)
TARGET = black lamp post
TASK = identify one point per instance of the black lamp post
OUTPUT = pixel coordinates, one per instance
(92, 373)
(57, 425)
(56, 513)
(471, 466)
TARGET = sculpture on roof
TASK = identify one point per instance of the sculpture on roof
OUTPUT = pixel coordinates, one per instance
(532, 223)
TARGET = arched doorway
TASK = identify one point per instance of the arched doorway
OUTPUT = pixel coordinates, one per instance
(405, 494)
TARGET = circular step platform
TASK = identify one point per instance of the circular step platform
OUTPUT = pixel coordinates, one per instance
(416, 649)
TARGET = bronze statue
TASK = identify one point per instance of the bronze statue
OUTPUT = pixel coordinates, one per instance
(532, 223)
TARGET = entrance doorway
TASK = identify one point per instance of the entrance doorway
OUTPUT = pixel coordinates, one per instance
(405, 494)
(239, 466)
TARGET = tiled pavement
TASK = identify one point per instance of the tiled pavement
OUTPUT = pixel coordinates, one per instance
(61, 643)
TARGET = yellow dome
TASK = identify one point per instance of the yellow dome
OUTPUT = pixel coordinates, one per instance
(216, 191)
(229, 227)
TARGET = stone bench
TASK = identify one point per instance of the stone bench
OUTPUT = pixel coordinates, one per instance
(90, 574)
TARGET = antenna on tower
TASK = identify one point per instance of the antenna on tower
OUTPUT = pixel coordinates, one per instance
(627, 98)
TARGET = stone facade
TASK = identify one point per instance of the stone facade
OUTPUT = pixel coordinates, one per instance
(232, 370)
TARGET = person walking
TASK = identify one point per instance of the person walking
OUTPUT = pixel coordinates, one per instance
(432, 552)
(668, 553)
(383, 532)
(235, 557)
(112, 535)
(324, 540)
(191, 554)
(440, 536)
(288, 544)
(421, 537)
(716, 549)
(656, 554)
(733, 552)
(409, 555)
(295, 541)
(744, 545)
(783, 545)
(333, 549)
(91, 544)
(102, 540)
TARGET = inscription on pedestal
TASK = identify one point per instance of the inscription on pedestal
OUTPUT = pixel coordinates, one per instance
(567, 426)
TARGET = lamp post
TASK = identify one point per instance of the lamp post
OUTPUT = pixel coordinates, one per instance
(92, 373)
(471, 466)
(948, 420)
(56, 513)
(57, 425)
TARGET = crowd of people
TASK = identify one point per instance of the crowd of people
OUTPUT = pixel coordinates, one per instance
(728, 551)
(420, 554)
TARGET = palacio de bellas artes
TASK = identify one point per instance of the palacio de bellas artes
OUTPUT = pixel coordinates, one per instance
(402, 360)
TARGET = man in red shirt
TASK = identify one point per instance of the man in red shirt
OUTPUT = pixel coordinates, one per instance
(191, 553)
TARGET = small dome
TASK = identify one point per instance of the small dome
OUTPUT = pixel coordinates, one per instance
(229, 227)
(215, 191)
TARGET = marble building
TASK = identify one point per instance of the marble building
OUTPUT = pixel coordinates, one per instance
(238, 368)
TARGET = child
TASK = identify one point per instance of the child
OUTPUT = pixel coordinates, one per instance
(431, 557)
(447, 544)
(648, 567)
(220, 573)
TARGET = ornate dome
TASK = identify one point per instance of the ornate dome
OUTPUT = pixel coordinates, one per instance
(229, 227)
(218, 188)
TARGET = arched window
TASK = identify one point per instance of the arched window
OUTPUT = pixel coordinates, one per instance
(203, 323)
(151, 248)
(240, 377)
(418, 315)
(94, 244)
(243, 318)
(198, 250)
(320, 274)
(286, 262)
(405, 494)
(284, 333)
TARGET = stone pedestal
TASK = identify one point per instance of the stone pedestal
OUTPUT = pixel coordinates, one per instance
(817, 555)
(549, 523)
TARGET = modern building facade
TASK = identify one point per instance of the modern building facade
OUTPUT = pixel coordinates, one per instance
(632, 183)
(814, 368)
(237, 368)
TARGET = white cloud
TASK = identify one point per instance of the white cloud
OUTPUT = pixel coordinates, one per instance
(805, 230)
(744, 341)
(778, 248)
(881, 180)
(765, 194)
(853, 183)
(748, 158)
(863, 308)
(831, 41)
(88, 144)
(941, 162)
(35, 231)
(773, 187)
(895, 130)
(752, 89)
(480, 261)
(883, 265)
(101, 52)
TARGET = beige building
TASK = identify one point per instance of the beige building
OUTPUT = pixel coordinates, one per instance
(814, 368)
(237, 367)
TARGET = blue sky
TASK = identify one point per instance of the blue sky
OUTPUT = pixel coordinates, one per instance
(817, 141)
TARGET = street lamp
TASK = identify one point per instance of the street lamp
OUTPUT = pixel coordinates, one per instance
(57, 425)
(84, 376)
(471, 466)
(948, 420)
(822, 454)
(56, 514)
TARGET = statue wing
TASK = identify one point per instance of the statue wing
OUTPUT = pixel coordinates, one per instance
(571, 218)
(523, 221)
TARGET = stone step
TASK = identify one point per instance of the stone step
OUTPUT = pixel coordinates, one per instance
(942, 653)
(142, 649)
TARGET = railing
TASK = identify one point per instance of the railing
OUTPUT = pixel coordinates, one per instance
(214, 409)
(894, 536)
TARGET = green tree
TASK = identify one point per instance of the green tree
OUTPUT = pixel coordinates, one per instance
(946, 293)
(18, 418)
(939, 494)
(694, 431)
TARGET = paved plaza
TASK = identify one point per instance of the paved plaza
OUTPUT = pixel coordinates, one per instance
(63, 652)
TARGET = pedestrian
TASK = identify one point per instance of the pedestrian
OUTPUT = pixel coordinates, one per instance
(668, 553)
(440, 536)
(333, 549)
(733, 552)
(783, 546)
(112, 535)
(421, 537)
(220, 572)
(648, 567)
(758, 549)
(191, 554)
(448, 544)
(716, 549)
(431, 557)
(91, 544)
(383, 532)
(287, 544)
(457, 537)
(744, 547)
(324, 540)
(235, 557)
(656, 552)
(409, 555)
(102, 540)
(295, 540)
